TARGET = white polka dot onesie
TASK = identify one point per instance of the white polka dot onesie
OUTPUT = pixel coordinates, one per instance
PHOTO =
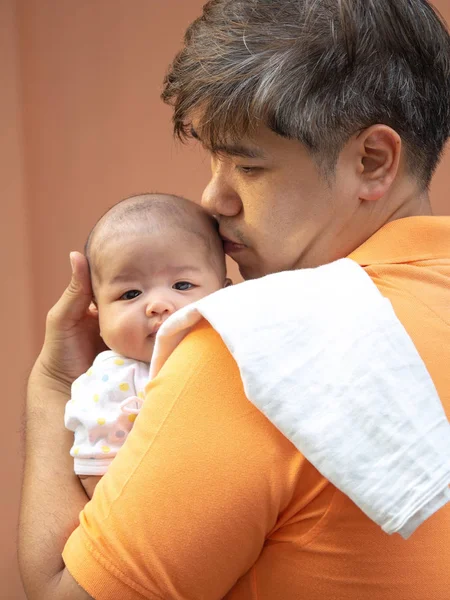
(105, 402)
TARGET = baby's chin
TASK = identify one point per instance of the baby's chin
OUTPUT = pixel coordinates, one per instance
(141, 354)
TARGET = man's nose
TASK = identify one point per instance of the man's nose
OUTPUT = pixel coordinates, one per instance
(219, 197)
(159, 308)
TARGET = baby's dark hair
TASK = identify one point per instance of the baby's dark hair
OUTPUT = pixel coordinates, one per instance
(157, 212)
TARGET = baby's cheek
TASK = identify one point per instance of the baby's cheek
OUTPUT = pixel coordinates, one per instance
(122, 336)
(105, 321)
(107, 335)
(112, 327)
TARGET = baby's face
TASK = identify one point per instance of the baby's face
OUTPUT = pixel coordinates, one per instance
(143, 280)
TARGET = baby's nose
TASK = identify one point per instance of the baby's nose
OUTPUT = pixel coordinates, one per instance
(158, 308)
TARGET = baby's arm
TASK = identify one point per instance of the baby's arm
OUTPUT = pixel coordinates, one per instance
(89, 482)
(101, 413)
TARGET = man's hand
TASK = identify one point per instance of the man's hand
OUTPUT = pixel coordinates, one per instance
(52, 495)
(72, 337)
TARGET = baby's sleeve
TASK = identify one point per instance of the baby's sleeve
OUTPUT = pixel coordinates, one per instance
(101, 412)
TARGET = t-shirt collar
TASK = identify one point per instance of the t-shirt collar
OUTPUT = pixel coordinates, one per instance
(406, 240)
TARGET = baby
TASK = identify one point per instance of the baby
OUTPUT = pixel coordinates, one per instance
(149, 256)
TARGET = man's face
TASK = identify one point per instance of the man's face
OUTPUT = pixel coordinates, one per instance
(276, 208)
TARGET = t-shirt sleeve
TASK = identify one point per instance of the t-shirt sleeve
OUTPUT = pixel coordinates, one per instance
(187, 504)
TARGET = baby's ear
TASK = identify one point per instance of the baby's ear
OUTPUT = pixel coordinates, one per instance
(228, 282)
(93, 308)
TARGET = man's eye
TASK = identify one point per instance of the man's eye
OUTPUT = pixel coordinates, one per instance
(182, 286)
(130, 295)
(247, 170)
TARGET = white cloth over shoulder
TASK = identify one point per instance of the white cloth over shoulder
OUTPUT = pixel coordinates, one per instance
(322, 354)
(102, 409)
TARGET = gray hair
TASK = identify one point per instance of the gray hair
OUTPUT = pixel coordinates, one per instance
(317, 71)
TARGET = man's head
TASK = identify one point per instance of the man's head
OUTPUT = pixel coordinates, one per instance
(357, 90)
(149, 256)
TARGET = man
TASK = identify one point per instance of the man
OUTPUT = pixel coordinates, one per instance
(325, 121)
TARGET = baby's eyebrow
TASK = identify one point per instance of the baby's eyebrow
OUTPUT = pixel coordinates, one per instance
(125, 276)
(183, 269)
(136, 273)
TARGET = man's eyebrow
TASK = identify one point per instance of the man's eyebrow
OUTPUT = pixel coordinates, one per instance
(232, 149)
(238, 150)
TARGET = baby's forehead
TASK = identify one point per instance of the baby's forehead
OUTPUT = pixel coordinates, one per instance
(152, 219)
(148, 252)
(153, 226)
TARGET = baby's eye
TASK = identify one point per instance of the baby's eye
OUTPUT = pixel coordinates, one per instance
(183, 286)
(130, 295)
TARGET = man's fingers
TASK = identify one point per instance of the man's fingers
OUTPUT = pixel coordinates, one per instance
(75, 301)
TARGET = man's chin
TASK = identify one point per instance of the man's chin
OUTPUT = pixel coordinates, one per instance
(250, 266)
(250, 272)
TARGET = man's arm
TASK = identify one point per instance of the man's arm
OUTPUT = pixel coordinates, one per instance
(52, 497)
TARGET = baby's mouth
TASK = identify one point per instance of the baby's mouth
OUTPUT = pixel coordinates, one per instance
(154, 330)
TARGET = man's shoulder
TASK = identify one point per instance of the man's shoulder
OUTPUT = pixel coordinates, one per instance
(204, 334)
(203, 343)
(203, 362)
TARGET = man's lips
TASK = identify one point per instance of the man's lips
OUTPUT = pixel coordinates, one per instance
(230, 246)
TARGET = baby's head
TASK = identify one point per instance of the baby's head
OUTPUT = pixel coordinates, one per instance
(149, 256)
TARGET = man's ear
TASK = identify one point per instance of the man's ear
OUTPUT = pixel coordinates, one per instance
(228, 282)
(379, 153)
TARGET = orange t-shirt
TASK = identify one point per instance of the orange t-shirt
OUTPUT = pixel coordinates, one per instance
(207, 499)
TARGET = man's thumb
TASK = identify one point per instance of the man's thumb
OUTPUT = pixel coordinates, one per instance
(80, 283)
(75, 301)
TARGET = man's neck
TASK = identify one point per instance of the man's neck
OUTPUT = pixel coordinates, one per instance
(413, 206)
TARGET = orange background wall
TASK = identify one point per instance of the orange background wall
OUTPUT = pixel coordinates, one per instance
(81, 126)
